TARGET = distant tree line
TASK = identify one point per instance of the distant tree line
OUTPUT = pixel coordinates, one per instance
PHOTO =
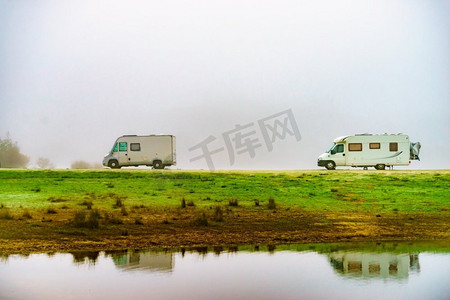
(10, 157)
(81, 164)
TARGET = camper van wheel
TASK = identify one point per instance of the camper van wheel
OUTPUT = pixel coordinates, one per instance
(330, 165)
(380, 167)
(113, 164)
(157, 164)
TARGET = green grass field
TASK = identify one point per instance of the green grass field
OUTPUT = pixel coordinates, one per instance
(349, 190)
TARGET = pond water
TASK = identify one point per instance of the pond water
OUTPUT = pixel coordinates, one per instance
(327, 271)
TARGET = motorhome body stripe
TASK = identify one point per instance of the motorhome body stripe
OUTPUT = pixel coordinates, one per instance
(396, 154)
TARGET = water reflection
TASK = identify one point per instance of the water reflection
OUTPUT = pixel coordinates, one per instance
(149, 261)
(374, 265)
(369, 271)
(347, 263)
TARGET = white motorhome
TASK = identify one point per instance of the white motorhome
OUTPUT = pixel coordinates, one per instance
(370, 150)
(148, 150)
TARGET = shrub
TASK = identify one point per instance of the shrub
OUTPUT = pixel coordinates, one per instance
(271, 204)
(233, 202)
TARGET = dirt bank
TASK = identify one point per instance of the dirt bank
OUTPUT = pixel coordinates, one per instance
(175, 228)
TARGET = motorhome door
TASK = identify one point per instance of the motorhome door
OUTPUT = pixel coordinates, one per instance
(337, 154)
(123, 153)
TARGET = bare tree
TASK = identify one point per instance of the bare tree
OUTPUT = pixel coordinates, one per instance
(10, 156)
(44, 163)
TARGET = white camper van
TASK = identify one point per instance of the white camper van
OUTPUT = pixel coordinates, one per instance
(370, 150)
(148, 150)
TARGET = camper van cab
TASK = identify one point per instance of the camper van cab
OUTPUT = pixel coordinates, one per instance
(150, 150)
(367, 150)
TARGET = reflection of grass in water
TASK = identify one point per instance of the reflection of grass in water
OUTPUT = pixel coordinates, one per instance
(362, 247)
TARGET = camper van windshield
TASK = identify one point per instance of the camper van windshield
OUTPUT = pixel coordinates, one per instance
(331, 148)
(114, 148)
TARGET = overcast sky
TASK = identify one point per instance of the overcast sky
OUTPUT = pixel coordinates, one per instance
(75, 75)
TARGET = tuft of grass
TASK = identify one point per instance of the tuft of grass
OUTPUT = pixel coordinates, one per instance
(26, 214)
(51, 211)
(118, 203)
(36, 189)
(190, 203)
(87, 203)
(83, 220)
(2, 205)
(138, 221)
(123, 211)
(218, 214)
(183, 203)
(256, 202)
(55, 199)
(138, 206)
(334, 190)
(93, 219)
(201, 220)
(119, 200)
(79, 219)
(271, 204)
(124, 232)
(5, 214)
(112, 219)
(233, 202)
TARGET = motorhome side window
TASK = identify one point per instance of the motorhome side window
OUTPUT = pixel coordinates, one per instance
(135, 147)
(374, 146)
(393, 146)
(115, 148)
(354, 147)
(123, 146)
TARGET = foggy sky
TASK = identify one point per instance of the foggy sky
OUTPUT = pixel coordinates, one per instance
(75, 75)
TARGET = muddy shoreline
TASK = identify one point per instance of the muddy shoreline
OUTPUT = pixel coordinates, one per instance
(272, 228)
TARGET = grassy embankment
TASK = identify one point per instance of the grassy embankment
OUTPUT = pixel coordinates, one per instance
(112, 209)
